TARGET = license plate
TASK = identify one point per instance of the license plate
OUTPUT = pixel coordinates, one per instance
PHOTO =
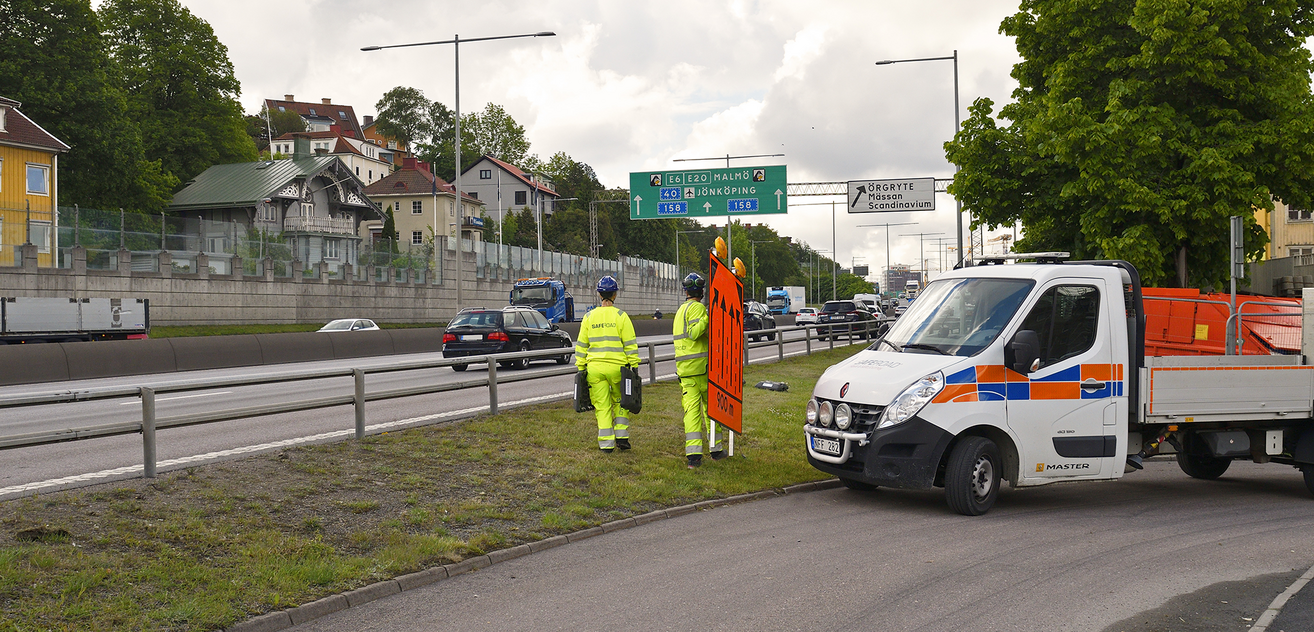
(826, 446)
(472, 337)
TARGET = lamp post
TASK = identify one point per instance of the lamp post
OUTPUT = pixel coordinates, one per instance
(754, 244)
(921, 253)
(456, 181)
(957, 127)
(887, 242)
(832, 272)
(594, 245)
(940, 244)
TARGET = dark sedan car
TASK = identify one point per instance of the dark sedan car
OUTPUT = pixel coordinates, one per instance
(480, 331)
(841, 316)
(758, 318)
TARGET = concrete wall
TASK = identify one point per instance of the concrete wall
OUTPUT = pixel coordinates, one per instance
(204, 299)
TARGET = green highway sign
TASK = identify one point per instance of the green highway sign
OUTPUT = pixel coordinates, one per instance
(708, 192)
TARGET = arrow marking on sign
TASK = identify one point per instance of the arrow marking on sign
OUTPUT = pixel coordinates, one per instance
(707, 207)
(778, 194)
(638, 208)
(862, 190)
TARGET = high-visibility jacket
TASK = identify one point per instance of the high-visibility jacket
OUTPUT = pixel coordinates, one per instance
(690, 330)
(606, 336)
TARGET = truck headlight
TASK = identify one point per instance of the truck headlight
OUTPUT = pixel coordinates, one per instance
(812, 411)
(843, 416)
(825, 414)
(912, 400)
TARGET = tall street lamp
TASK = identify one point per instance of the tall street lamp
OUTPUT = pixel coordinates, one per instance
(456, 181)
(957, 127)
(887, 243)
(594, 244)
(921, 251)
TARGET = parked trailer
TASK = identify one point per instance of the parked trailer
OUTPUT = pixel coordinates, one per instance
(25, 320)
(1037, 373)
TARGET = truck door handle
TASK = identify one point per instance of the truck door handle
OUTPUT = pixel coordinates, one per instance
(1092, 384)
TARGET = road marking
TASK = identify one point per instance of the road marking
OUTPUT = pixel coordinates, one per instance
(136, 470)
(1275, 608)
(167, 399)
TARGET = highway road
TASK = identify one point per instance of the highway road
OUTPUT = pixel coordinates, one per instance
(1155, 551)
(62, 465)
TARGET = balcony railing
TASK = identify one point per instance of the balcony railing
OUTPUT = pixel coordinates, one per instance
(319, 225)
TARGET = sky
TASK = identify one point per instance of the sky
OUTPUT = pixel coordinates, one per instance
(630, 85)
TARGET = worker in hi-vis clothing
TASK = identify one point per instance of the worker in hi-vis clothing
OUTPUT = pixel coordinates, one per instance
(690, 330)
(606, 342)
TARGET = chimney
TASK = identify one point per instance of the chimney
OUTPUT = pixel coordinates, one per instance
(369, 120)
(335, 128)
(326, 101)
(289, 97)
(408, 163)
(300, 146)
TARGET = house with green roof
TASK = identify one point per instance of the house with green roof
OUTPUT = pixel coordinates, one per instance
(312, 200)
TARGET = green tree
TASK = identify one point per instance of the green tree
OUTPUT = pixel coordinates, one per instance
(494, 132)
(258, 126)
(1138, 128)
(389, 226)
(179, 85)
(55, 65)
(404, 114)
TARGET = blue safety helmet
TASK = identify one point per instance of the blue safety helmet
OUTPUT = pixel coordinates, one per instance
(607, 285)
(694, 283)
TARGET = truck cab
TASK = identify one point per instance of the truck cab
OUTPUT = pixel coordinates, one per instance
(547, 295)
(996, 372)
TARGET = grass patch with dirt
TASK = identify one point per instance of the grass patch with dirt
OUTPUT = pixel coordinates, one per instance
(208, 546)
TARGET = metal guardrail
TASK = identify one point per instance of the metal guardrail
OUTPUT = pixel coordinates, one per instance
(150, 423)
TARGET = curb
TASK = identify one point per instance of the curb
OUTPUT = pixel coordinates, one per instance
(284, 619)
(1275, 608)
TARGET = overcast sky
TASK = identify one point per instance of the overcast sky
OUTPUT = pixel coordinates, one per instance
(629, 85)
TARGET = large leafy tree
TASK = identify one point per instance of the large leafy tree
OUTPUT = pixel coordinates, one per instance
(54, 63)
(1139, 127)
(429, 128)
(493, 131)
(179, 85)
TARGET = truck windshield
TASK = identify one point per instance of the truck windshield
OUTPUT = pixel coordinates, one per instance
(529, 295)
(777, 300)
(959, 317)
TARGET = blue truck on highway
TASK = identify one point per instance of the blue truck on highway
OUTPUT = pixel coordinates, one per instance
(547, 295)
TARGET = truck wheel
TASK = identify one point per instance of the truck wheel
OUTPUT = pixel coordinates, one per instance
(1205, 467)
(971, 479)
(858, 486)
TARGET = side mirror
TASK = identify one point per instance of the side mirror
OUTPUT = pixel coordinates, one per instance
(555, 327)
(1023, 352)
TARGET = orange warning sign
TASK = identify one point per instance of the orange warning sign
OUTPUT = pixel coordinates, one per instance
(725, 349)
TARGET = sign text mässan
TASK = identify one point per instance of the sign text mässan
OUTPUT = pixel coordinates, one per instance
(708, 192)
(875, 196)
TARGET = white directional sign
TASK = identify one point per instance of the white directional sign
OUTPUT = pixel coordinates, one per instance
(891, 196)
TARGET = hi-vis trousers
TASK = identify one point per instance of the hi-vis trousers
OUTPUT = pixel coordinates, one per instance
(604, 392)
(693, 397)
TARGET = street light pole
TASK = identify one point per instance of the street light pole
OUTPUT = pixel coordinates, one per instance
(921, 252)
(456, 180)
(887, 242)
(593, 226)
(957, 128)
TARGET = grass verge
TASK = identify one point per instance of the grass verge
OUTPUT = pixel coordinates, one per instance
(182, 331)
(205, 547)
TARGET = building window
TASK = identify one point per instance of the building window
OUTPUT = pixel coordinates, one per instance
(473, 194)
(342, 115)
(1297, 215)
(417, 237)
(1297, 251)
(331, 248)
(416, 207)
(312, 112)
(282, 109)
(485, 174)
(357, 172)
(38, 179)
(520, 198)
(392, 144)
(371, 175)
(41, 235)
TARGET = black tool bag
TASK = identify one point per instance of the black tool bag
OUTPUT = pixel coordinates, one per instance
(582, 402)
(631, 390)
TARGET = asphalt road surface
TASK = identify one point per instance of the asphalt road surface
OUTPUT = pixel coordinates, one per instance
(68, 464)
(1154, 551)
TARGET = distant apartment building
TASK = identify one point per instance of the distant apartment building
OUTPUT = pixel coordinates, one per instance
(502, 186)
(411, 193)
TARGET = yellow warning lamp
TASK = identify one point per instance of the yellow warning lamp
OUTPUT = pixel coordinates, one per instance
(740, 270)
(721, 251)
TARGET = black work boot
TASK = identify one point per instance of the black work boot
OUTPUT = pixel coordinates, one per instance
(718, 455)
(695, 460)
(623, 444)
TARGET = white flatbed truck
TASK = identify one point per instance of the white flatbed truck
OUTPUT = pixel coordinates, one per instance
(27, 320)
(1035, 373)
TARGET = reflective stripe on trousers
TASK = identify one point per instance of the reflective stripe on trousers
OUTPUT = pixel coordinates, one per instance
(604, 392)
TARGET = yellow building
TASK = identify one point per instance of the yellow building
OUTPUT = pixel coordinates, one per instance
(1290, 231)
(29, 186)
